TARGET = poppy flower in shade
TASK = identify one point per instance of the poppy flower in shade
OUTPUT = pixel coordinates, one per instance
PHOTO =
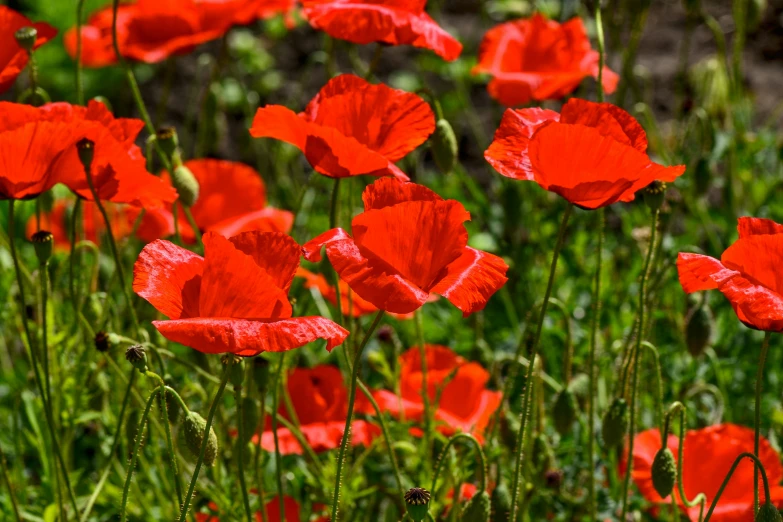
(232, 300)
(408, 244)
(748, 274)
(232, 199)
(393, 22)
(708, 454)
(538, 59)
(592, 154)
(292, 513)
(351, 127)
(58, 222)
(38, 150)
(320, 400)
(13, 58)
(465, 404)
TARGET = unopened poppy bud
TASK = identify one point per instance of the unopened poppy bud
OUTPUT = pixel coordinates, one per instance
(664, 472)
(417, 502)
(191, 435)
(173, 408)
(137, 356)
(249, 418)
(478, 508)
(501, 500)
(186, 185)
(564, 411)
(43, 242)
(614, 425)
(444, 146)
(168, 140)
(86, 150)
(26, 37)
(261, 374)
(698, 330)
(768, 513)
(655, 195)
(237, 376)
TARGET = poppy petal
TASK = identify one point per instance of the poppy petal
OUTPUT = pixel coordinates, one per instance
(610, 120)
(756, 306)
(508, 153)
(275, 252)
(267, 219)
(312, 249)
(320, 437)
(470, 280)
(169, 278)
(750, 226)
(696, 271)
(757, 258)
(388, 191)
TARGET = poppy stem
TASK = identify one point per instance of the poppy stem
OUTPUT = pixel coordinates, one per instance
(529, 377)
(425, 392)
(349, 416)
(334, 212)
(164, 410)
(758, 465)
(479, 452)
(376, 59)
(242, 443)
(72, 256)
(634, 360)
(11, 493)
(278, 457)
(205, 442)
(678, 407)
(757, 419)
(656, 360)
(79, 66)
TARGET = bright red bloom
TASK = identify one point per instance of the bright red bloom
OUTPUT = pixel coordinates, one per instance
(748, 274)
(393, 22)
(232, 300)
(408, 244)
(272, 512)
(592, 154)
(707, 457)
(351, 127)
(13, 59)
(320, 400)
(465, 404)
(58, 222)
(538, 59)
(38, 150)
(232, 199)
(248, 11)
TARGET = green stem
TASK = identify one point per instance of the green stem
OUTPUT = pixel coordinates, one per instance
(739, 458)
(72, 257)
(757, 419)
(482, 460)
(376, 59)
(349, 416)
(278, 457)
(675, 408)
(79, 67)
(333, 214)
(425, 395)
(529, 377)
(658, 381)
(241, 453)
(189, 495)
(193, 225)
(11, 493)
(634, 361)
(169, 445)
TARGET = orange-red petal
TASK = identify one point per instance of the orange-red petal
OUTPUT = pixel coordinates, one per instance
(470, 280)
(508, 152)
(276, 253)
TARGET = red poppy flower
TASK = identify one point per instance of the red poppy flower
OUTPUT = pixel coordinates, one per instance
(592, 154)
(320, 400)
(748, 274)
(38, 150)
(244, 12)
(13, 59)
(393, 22)
(707, 457)
(538, 59)
(351, 127)
(234, 299)
(149, 31)
(58, 222)
(272, 508)
(465, 403)
(232, 199)
(408, 244)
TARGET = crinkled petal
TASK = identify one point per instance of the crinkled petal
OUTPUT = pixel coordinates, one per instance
(750, 226)
(275, 252)
(610, 120)
(508, 153)
(758, 258)
(756, 306)
(470, 280)
(386, 192)
(696, 271)
(312, 249)
(267, 219)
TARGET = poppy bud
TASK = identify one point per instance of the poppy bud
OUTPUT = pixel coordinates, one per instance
(237, 370)
(655, 195)
(137, 356)
(185, 184)
(416, 502)
(173, 408)
(711, 84)
(168, 140)
(664, 472)
(615, 423)
(565, 410)
(478, 508)
(191, 436)
(249, 418)
(768, 513)
(26, 37)
(698, 330)
(444, 146)
(261, 374)
(86, 150)
(501, 501)
(43, 242)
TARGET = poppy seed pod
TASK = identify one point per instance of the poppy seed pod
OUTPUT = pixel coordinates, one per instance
(86, 149)
(191, 436)
(565, 411)
(614, 425)
(501, 501)
(185, 184)
(655, 195)
(26, 37)
(137, 356)
(478, 508)
(768, 513)
(417, 503)
(664, 472)
(444, 146)
(698, 330)
(43, 242)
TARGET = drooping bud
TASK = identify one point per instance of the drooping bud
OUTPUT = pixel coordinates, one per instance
(249, 418)
(168, 140)
(86, 149)
(173, 408)
(137, 356)
(501, 501)
(477, 509)
(237, 376)
(565, 410)
(191, 436)
(417, 502)
(698, 330)
(261, 374)
(43, 242)
(664, 472)
(614, 425)
(185, 184)
(26, 37)
(444, 146)
(768, 513)
(654, 195)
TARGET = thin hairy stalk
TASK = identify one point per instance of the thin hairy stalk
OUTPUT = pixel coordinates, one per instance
(241, 453)
(656, 360)
(72, 256)
(757, 419)
(479, 452)
(678, 407)
(739, 458)
(278, 457)
(425, 394)
(529, 377)
(334, 210)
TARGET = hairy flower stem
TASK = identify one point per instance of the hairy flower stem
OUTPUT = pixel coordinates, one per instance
(334, 211)
(739, 458)
(757, 420)
(678, 407)
(349, 416)
(634, 361)
(529, 376)
(479, 453)
(278, 457)
(241, 453)
(72, 256)
(425, 395)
